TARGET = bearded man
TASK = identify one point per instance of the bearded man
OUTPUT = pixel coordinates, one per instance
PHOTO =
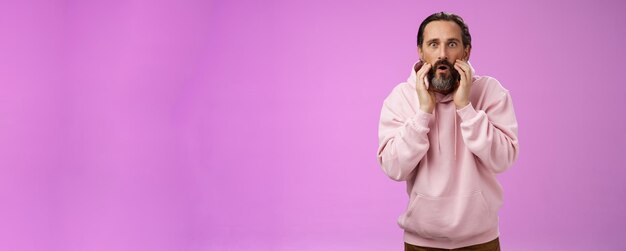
(447, 133)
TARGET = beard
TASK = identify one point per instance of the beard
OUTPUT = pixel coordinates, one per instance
(443, 83)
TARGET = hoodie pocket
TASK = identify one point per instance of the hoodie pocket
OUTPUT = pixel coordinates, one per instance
(453, 217)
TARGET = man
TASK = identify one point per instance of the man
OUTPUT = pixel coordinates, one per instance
(447, 133)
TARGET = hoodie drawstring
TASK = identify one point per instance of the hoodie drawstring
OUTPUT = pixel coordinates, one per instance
(437, 130)
(437, 125)
(455, 135)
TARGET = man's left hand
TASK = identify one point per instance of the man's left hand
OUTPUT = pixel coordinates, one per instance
(461, 95)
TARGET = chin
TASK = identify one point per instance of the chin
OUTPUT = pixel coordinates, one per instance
(446, 91)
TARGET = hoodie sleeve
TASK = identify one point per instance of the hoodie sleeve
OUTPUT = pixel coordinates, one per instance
(403, 139)
(491, 134)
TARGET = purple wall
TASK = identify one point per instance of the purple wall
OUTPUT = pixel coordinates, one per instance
(252, 125)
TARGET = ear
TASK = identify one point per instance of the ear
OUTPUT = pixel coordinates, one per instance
(467, 51)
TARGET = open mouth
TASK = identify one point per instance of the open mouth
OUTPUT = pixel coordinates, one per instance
(442, 67)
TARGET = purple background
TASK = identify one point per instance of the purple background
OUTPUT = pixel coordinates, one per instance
(252, 125)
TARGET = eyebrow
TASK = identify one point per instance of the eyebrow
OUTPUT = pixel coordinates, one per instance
(437, 40)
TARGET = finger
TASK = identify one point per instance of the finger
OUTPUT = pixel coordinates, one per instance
(425, 68)
(463, 74)
(421, 74)
(465, 66)
(459, 69)
(422, 83)
(426, 82)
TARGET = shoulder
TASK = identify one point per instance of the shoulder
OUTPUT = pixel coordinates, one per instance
(487, 90)
(402, 100)
(488, 86)
(488, 83)
(400, 92)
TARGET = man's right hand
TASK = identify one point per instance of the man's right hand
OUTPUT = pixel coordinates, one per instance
(426, 98)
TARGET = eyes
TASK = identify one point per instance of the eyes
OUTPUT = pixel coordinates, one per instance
(450, 44)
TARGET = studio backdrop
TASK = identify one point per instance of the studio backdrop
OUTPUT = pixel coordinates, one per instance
(252, 125)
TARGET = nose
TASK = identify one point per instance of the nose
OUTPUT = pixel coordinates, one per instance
(443, 53)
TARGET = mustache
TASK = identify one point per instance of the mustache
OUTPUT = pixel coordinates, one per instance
(442, 62)
(453, 72)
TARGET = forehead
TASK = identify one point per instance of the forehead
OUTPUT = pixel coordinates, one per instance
(442, 30)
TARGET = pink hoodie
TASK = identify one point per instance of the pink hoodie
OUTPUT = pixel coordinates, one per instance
(449, 160)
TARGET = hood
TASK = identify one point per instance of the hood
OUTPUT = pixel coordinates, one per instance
(412, 80)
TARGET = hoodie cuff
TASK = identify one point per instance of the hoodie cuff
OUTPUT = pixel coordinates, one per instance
(421, 119)
(467, 112)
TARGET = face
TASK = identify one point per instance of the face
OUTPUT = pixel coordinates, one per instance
(442, 46)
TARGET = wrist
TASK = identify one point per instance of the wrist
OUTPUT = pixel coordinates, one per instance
(461, 105)
(427, 109)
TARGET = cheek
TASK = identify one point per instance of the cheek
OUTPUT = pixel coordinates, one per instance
(455, 57)
(429, 58)
(460, 55)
